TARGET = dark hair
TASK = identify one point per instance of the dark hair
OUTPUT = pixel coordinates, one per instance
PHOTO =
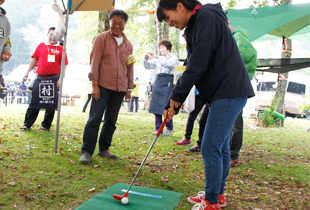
(166, 43)
(120, 13)
(172, 5)
(51, 29)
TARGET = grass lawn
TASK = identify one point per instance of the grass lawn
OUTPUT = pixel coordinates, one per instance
(274, 174)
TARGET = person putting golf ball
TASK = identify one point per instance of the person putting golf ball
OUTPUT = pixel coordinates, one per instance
(124, 200)
(216, 68)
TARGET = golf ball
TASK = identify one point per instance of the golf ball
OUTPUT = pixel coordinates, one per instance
(124, 200)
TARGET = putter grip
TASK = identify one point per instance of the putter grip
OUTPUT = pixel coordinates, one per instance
(162, 126)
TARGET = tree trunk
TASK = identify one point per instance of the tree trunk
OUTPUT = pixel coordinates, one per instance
(177, 42)
(165, 31)
(103, 20)
(157, 31)
(156, 35)
(281, 88)
(103, 23)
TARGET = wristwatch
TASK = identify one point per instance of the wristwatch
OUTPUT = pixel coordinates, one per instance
(130, 90)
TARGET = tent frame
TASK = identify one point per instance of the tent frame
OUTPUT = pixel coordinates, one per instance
(67, 12)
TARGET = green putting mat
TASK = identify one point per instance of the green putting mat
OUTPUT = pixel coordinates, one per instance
(140, 198)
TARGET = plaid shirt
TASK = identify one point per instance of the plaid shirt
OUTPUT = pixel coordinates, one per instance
(108, 62)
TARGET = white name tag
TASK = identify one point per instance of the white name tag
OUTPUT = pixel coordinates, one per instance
(51, 58)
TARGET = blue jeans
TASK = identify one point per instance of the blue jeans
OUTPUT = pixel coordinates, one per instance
(215, 144)
(134, 100)
(110, 101)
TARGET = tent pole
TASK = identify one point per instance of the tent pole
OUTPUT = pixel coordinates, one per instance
(62, 75)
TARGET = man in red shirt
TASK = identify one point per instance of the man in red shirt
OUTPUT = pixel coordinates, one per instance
(48, 57)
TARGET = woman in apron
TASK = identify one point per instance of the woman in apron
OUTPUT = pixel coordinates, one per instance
(163, 85)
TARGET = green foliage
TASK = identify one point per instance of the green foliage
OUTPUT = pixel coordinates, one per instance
(140, 29)
(267, 115)
(80, 38)
(19, 17)
(304, 105)
(231, 4)
(260, 3)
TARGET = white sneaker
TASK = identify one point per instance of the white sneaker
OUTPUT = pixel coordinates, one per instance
(168, 132)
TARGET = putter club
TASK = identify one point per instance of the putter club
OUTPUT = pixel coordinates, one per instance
(119, 197)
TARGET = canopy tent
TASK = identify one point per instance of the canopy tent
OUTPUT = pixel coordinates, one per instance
(76, 5)
(267, 23)
(282, 65)
(15, 75)
(90, 5)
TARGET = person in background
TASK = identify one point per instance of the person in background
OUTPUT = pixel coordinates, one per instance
(23, 87)
(163, 85)
(111, 74)
(89, 89)
(199, 103)
(135, 96)
(222, 81)
(5, 43)
(48, 57)
(202, 124)
(148, 95)
(249, 57)
(12, 91)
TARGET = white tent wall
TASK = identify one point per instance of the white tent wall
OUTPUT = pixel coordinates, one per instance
(17, 74)
(75, 80)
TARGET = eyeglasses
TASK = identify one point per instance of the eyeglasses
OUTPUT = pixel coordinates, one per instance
(114, 23)
(50, 35)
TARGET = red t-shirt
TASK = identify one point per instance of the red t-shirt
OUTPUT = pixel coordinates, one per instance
(48, 68)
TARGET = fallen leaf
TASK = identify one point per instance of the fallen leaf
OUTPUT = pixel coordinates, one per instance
(80, 177)
(24, 167)
(71, 161)
(96, 166)
(11, 183)
(1, 157)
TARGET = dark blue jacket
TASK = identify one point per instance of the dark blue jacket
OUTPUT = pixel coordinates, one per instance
(214, 64)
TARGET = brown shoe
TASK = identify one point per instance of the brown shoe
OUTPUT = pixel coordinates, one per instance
(234, 162)
(107, 154)
(85, 158)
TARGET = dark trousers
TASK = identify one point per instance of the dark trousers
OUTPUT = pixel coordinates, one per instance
(202, 124)
(31, 116)
(199, 102)
(134, 100)
(86, 103)
(110, 101)
(159, 121)
(236, 137)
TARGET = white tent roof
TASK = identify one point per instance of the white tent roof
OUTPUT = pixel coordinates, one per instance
(18, 73)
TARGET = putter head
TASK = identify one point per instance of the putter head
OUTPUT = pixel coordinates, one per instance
(119, 197)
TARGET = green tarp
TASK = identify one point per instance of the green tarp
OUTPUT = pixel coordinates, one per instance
(267, 23)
